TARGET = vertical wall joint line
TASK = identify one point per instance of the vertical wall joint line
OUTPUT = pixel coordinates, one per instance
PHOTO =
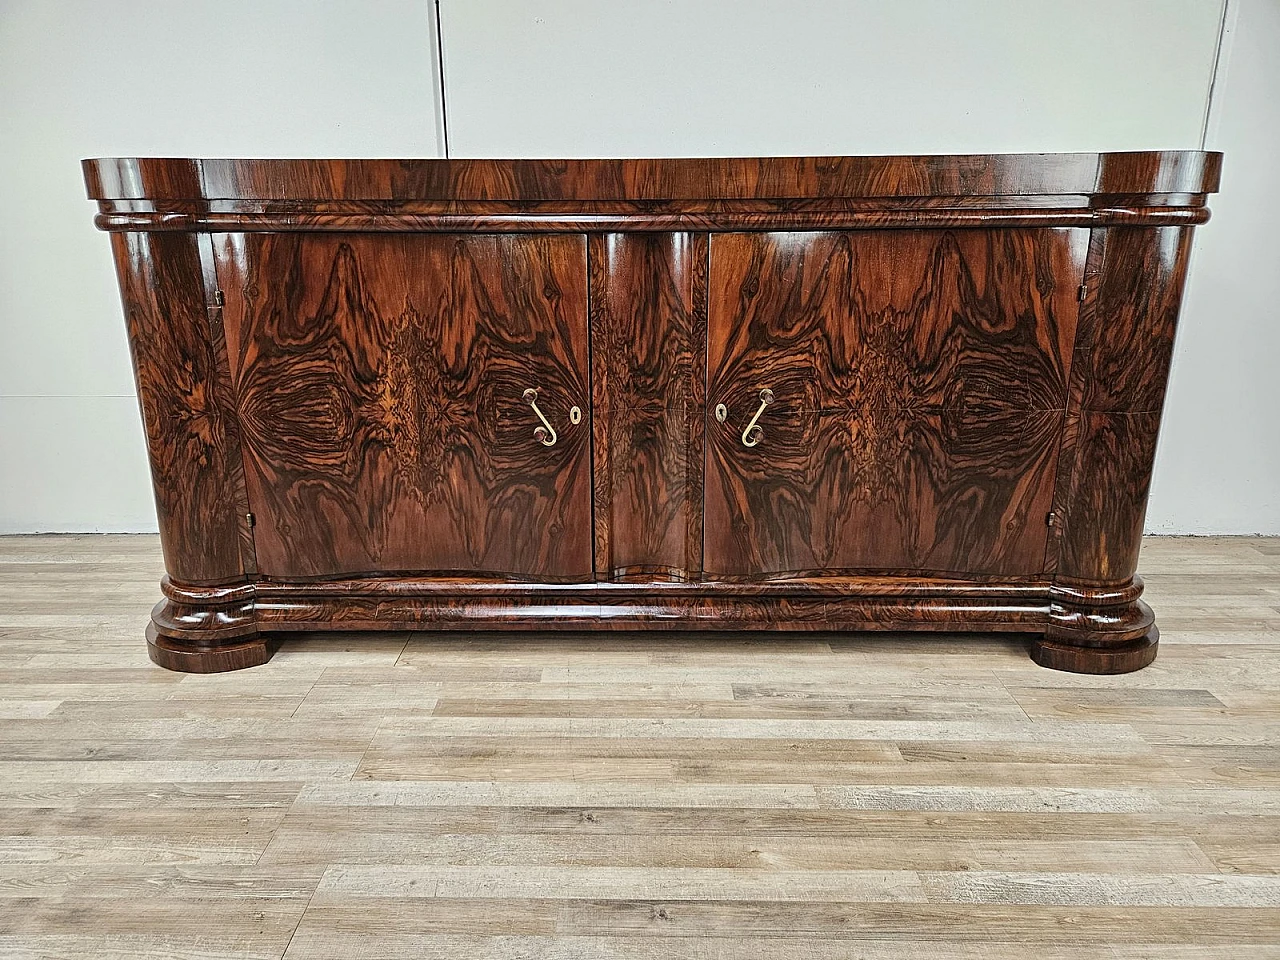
(1213, 73)
(444, 103)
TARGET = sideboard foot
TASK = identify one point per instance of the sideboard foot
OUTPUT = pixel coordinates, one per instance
(1124, 658)
(207, 629)
(1097, 629)
(186, 656)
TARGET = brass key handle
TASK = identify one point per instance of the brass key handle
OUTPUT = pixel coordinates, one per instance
(545, 434)
(748, 438)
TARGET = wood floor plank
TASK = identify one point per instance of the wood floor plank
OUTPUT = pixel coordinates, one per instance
(307, 840)
(316, 942)
(556, 793)
(421, 813)
(227, 925)
(124, 771)
(395, 881)
(715, 729)
(186, 881)
(1031, 926)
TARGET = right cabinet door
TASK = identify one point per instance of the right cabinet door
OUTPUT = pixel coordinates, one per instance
(917, 383)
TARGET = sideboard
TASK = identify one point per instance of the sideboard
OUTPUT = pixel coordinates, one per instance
(915, 393)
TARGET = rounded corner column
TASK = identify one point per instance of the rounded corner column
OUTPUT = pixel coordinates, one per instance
(1130, 298)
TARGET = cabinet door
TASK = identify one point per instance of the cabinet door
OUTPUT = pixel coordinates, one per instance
(918, 383)
(381, 386)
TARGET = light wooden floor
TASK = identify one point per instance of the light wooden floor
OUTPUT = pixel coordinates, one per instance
(647, 797)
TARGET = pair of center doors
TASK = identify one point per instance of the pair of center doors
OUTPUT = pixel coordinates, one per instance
(386, 387)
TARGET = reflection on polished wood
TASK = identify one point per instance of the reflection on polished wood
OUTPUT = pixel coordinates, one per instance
(650, 795)
(793, 394)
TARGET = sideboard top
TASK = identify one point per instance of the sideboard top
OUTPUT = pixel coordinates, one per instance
(759, 178)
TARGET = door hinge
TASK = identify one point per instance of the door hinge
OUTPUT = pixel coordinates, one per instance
(249, 519)
(1082, 292)
(219, 299)
(1050, 519)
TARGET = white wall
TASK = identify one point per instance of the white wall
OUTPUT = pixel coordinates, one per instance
(154, 77)
(585, 78)
(1218, 466)
(805, 77)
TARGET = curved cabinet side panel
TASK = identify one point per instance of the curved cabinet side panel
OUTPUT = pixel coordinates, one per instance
(1122, 368)
(190, 435)
(1122, 359)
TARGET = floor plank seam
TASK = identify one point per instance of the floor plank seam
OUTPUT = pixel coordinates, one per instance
(302, 916)
(310, 689)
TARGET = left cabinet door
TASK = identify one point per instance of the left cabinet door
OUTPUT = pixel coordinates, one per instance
(383, 385)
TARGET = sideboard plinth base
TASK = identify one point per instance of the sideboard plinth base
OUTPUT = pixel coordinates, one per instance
(1125, 658)
(1082, 629)
(188, 657)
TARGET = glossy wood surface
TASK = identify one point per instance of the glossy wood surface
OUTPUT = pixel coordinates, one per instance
(641, 217)
(648, 350)
(189, 421)
(967, 358)
(656, 179)
(771, 193)
(380, 386)
(919, 382)
(1123, 353)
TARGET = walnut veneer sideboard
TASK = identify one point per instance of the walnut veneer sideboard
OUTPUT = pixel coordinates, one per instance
(828, 393)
